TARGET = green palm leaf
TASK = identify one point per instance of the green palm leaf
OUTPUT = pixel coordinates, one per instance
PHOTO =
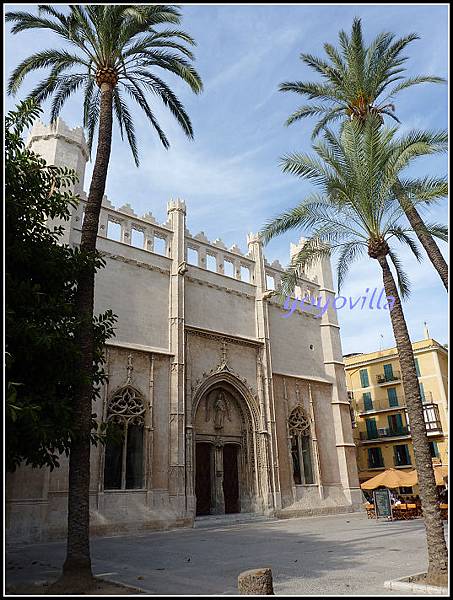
(137, 42)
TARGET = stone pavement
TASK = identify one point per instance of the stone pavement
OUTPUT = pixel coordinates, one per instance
(338, 554)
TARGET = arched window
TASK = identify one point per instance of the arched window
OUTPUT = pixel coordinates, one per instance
(124, 448)
(299, 431)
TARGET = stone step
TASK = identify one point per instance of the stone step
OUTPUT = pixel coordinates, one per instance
(230, 519)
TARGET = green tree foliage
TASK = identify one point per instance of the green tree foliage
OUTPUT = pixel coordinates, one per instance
(356, 80)
(41, 275)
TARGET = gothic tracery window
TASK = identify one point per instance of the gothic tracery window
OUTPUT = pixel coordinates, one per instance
(299, 431)
(124, 456)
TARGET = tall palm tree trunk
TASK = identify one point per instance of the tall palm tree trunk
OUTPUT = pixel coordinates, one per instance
(437, 548)
(426, 239)
(78, 561)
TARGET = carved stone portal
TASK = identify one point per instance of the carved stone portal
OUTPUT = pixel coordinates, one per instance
(219, 403)
(222, 455)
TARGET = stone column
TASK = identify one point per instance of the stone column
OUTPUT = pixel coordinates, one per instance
(202, 257)
(149, 240)
(190, 435)
(268, 432)
(101, 455)
(289, 439)
(218, 501)
(149, 432)
(334, 368)
(220, 263)
(314, 441)
(176, 215)
(126, 232)
(237, 269)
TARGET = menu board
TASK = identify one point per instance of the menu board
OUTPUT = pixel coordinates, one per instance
(382, 504)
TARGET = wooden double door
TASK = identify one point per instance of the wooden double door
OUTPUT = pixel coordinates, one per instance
(217, 478)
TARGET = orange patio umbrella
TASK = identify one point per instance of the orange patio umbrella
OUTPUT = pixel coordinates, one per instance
(391, 478)
(440, 471)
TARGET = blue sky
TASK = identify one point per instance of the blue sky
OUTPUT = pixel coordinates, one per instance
(229, 175)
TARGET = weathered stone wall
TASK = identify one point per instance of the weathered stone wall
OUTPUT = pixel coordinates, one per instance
(183, 329)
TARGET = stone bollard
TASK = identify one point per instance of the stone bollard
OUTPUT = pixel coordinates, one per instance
(256, 582)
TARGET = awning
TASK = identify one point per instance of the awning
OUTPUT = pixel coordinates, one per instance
(391, 478)
(440, 472)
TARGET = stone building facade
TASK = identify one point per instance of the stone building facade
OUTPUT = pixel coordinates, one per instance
(226, 405)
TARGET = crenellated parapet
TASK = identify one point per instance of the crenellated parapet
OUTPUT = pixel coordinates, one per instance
(199, 250)
(59, 130)
(62, 145)
(176, 204)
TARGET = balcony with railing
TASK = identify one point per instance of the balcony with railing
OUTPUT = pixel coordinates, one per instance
(385, 433)
(385, 378)
(384, 405)
(433, 423)
(376, 464)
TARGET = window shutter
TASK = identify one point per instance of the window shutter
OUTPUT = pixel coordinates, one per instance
(407, 453)
(367, 401)
(392, 397)
(364, 378)
(388, 372)
(371, 428)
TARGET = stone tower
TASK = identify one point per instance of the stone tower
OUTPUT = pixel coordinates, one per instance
(61, 146)
(321, 272)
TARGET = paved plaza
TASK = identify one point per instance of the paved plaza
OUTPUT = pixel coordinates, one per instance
(340, 554)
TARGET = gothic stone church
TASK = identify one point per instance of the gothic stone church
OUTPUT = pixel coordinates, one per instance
(226, 406)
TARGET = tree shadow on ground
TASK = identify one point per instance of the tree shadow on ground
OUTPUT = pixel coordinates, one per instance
(335, 554)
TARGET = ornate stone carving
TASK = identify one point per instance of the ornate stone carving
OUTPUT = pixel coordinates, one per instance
(223, 338)
(298, 422)
(235, 248)
(220, 408)
(268, 294)
(182, 268)
(219, 243)
(149, 217)
(126, 406)
(127, 208)
(129, 369)
(201, 237)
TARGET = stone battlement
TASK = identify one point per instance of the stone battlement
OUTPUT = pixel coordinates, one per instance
(59, 143)
(59, 129)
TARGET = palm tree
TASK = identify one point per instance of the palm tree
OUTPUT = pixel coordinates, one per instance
(114, 53)
(355, 212)
(359, 81)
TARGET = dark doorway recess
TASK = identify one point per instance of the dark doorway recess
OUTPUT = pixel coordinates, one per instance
(203, 478)
(231, 478)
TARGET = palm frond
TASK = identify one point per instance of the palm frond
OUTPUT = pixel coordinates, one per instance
(136, 41)
(137, 94)
(349, 253)
(415, 81)
(356, 75)
(438, 230)
(402, 279)
(161, 89)
(126, 124)
(404, 237)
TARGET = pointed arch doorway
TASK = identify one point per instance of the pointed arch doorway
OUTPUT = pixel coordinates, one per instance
(224, 454)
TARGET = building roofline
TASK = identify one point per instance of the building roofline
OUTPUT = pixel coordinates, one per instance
(359, 358)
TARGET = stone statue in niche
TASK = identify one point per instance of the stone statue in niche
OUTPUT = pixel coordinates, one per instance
(220, 409)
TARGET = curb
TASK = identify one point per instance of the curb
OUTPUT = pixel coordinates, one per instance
(134, 588)
(403, 584)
